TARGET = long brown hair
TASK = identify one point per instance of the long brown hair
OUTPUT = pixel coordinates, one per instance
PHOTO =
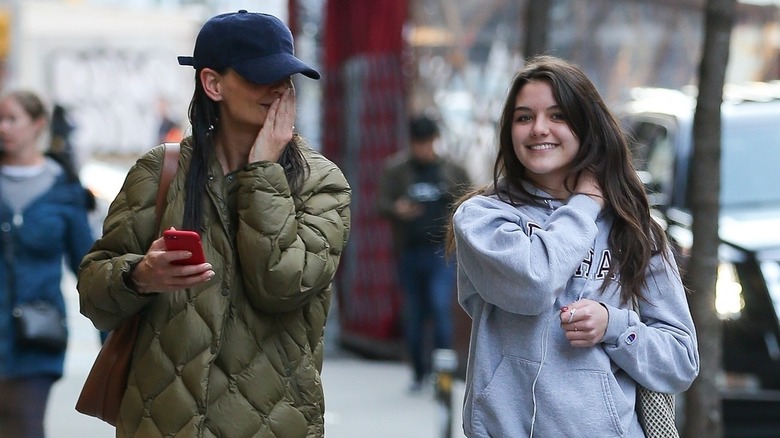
(635, 237)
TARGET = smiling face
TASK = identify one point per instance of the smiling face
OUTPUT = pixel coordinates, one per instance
(543, 142)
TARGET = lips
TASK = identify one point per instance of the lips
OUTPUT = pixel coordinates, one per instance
(541, 147)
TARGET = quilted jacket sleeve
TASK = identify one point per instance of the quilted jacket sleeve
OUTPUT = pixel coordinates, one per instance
(290, 249)
(128, 231)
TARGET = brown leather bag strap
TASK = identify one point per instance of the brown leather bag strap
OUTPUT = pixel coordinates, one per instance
(169, 168)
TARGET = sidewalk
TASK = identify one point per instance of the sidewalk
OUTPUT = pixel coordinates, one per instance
(363, 398)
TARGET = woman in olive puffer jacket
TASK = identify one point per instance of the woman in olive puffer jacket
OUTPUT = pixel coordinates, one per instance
(232, 347)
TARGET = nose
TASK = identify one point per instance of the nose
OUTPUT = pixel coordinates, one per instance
(282, 85)
(540, 127)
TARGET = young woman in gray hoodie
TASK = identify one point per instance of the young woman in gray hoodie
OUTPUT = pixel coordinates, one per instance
(551, 259)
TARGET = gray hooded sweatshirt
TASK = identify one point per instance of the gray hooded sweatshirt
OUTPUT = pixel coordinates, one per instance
(517, 266)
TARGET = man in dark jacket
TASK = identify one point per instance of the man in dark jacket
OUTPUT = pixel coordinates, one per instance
(416, 192)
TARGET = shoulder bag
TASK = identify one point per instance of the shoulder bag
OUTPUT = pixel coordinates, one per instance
(655, 409)
(107, 380)
(39, 324)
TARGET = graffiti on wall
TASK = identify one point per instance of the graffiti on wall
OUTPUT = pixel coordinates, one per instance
(114, 96)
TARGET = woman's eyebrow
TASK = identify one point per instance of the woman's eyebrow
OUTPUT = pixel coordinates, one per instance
(525, 108)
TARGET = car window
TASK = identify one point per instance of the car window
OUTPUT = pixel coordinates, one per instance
(749, 164)
(771, 271)
(653, 154)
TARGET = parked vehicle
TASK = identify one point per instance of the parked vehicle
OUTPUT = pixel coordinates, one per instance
(748, 283)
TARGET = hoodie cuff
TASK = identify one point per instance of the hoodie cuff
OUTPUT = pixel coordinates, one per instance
(621, 327)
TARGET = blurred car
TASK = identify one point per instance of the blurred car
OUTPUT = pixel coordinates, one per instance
(748, 281)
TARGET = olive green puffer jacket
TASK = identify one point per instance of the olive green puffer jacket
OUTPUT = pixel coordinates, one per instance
(240, 355)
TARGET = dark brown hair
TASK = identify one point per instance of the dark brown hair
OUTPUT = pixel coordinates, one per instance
(635, 237)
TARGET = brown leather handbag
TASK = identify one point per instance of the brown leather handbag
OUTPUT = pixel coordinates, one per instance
(107, 380)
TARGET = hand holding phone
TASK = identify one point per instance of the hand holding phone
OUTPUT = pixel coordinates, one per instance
(183, 240)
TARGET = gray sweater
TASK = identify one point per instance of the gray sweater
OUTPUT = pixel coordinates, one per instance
(517, 266)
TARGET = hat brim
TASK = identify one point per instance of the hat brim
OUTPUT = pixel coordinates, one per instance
(272, 69)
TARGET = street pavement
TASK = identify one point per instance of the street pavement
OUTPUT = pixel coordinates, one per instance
(364, 398)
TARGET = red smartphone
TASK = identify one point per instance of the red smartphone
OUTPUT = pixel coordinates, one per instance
(182, 240)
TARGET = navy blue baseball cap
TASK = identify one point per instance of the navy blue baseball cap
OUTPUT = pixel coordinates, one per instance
(259, 47)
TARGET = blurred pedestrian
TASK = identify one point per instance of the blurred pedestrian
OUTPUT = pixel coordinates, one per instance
(552, 258)
(62, 151)
(168, 131)
(60, 144)
(416, 191)
(43, 218)
(234, 346)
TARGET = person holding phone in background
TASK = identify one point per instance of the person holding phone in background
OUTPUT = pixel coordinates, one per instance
(43, 219)
(552, 257)
(416, 191)
(234, 346)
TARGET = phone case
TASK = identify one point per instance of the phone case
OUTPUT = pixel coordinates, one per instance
(182, 240)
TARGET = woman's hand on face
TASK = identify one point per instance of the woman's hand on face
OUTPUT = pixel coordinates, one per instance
(587, 184)
(585, 322)
(277, 131)
(155, 273)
